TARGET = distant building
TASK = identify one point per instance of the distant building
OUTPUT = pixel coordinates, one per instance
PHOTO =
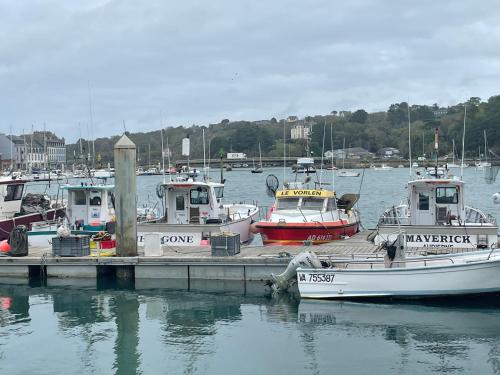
(300, 132)
(440, 112)
(344, 113)
(37, 150)
(7, 151)
(349, 153)
(389, 152)
(55, 148)
(292, 119)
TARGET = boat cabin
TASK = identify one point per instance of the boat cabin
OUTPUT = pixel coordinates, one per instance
(11, 194)
(193, 202)
(305, 199)
(436, 201)
(90, 206)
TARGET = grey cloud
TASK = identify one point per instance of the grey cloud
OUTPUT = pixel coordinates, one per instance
(199, 61)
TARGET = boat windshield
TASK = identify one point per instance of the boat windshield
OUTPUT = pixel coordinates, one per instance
(312, 203)
(446, 195)
(287, 203)
(219, 192)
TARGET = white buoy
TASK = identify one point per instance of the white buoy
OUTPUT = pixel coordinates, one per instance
(496, 198)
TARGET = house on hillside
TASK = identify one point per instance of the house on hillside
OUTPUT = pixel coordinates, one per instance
(349, 153)
(389, 152)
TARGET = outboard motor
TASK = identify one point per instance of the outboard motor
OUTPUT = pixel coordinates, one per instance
(395, 255)
(305, 260)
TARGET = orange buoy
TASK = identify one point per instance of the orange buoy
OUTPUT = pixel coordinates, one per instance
(4, 246)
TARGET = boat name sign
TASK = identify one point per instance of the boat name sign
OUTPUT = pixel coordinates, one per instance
(305, 193)
(185, 239)
(439, 240)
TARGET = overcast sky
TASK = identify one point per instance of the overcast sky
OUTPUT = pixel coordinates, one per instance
(198, 62)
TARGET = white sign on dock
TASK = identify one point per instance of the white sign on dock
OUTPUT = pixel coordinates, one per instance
(174, 239)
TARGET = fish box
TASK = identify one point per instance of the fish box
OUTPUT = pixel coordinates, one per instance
(73, 246)
(225, 244)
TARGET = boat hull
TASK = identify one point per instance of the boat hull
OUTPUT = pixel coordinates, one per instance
(7, 225)
(302, 233)
(474, 277)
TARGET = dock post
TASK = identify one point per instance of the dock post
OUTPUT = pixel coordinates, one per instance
(125, 199)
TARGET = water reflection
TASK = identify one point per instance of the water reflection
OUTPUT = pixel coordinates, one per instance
(447, 335)
(162, 330)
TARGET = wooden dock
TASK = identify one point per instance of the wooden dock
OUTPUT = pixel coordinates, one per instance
(252, 263)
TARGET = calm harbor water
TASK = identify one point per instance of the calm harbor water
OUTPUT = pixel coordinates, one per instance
(228, 328)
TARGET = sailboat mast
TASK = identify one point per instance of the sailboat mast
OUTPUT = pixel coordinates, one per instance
(343, 153)
(409, 136)
(463, 144)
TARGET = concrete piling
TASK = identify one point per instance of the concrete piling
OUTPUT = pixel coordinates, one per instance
(125, 197)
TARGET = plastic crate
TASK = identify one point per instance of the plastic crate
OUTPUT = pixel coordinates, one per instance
(225, 244)
(73, 246)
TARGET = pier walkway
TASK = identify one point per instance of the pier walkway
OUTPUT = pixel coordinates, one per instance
(253, 263)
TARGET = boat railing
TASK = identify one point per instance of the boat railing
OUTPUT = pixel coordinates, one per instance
(395, 263)
(395, 215)
(476, 216)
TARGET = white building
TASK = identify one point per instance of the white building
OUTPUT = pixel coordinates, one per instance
(300, 132)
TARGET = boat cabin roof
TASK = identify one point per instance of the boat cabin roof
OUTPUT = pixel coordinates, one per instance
(309, 193)
(191, 183)
(89, 187)
(433, 182)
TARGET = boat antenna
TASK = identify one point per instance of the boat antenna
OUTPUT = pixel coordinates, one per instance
(436, 148)
(204, 156)
(91, 125)
(463, 144)
(168, 160)
(284, 150)
(322, 154)
(162, 153)
(409, 136)
(331, 144)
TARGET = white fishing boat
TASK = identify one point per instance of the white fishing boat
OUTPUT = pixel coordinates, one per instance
(382, 167)
(435, 215)
(193, 211)
(432, 276)
(437, 172)
(305, 165)
(90, 209)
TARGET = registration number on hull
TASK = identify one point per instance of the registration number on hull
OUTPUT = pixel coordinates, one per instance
(316, 277)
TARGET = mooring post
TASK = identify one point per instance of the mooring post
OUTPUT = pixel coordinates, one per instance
(125, 197)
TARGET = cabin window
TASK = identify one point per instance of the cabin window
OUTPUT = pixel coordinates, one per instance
(14, 193)
(80, 198)
(179, 202)
(111, 199)
(287, 203)
(219, 192)
(312, 203)
(199, 195)
(423, 201)
(447, 195)
(331, 205)
(95, 199)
